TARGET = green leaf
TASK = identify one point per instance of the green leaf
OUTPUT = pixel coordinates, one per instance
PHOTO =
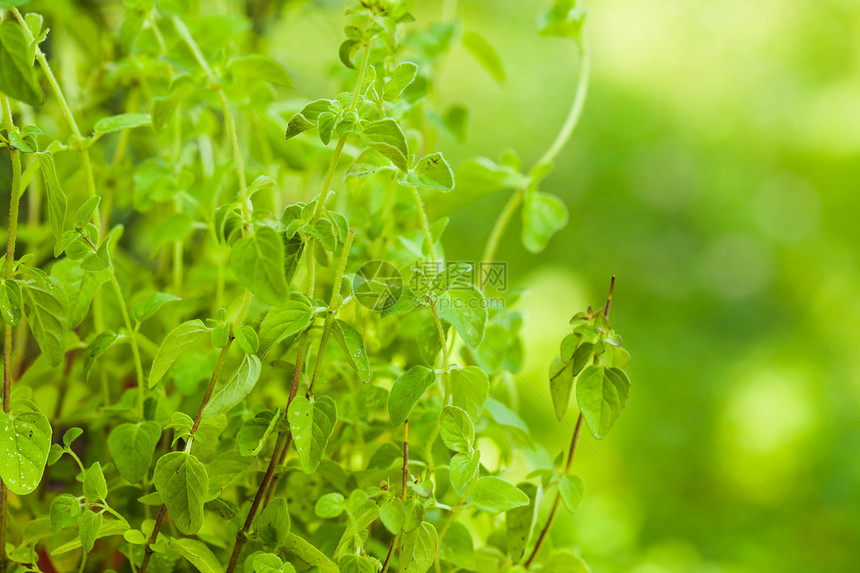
(65, 511)
(273, 525)
(17, 74)
(447, 278)
(258, 263)
(11, 301)
(463, 468)
(174, 344)
(236, 389)
(259, 67)
(71, 435)
(81, 286)
(86, 211)
(565, 561)
(309, 554)
(329, 505)
(247, 339)
(466, 310)
(392, 513)
(254, 432)
(564, 20)
(406, 392)
(98, 261)
(197, 553)
(147, 308)
(470, 388)
(91, 522)
(386, 137)
(484, 53)
(131, 447)
(183, 484)
(122, 121)
(572, 491)
(312, 425)
(352, 344)
(351, 563)
(95, 486)
(543, 216)
(307, 118)
(419, 549)
(46, 307)
(56, 197)
(494, 495)
(520, 522)
(266, 563)
(281, 322)
(106, 529)
(25, 441)
(98, 346)
(456, 429)
(323, 230)
(401, 77)
(432, 172)
(428, 339)
(601, 394)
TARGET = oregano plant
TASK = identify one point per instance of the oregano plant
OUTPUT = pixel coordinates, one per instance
(232, 338)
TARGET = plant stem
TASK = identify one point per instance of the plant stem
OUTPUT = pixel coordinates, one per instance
(216, 373)
(446, 384)
(132, 338)
(64, 108)
(451, 515)
(501, 224)
(425, 224)
(334, 304)
(237, 155)
(186, 36)
(329, 176)
(575, 109)
(548, 157)
(281, 446)
(147, 552)
(609, 298)
(394, 541)
(15, 195)
(557, 501)
(405, 459)
(341, 141)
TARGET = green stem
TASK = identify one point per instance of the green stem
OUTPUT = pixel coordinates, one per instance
(557, 501)
(132, 338)
(64, 105)
(425, 223)
(341, 141)
(237, 155)
(501, 224)
(333, 306)
(329, 176)
(7, 328)
(216, 373)
(549, 156)
(280, 450)
(186, 36)
(575, 109)
(361, 72)
(446, 384)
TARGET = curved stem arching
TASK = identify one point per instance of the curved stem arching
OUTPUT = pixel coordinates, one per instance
(548, 157)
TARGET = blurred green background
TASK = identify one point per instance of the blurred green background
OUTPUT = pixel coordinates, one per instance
(715, 173)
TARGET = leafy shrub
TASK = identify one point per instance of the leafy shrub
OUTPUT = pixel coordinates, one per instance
(198, 376)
